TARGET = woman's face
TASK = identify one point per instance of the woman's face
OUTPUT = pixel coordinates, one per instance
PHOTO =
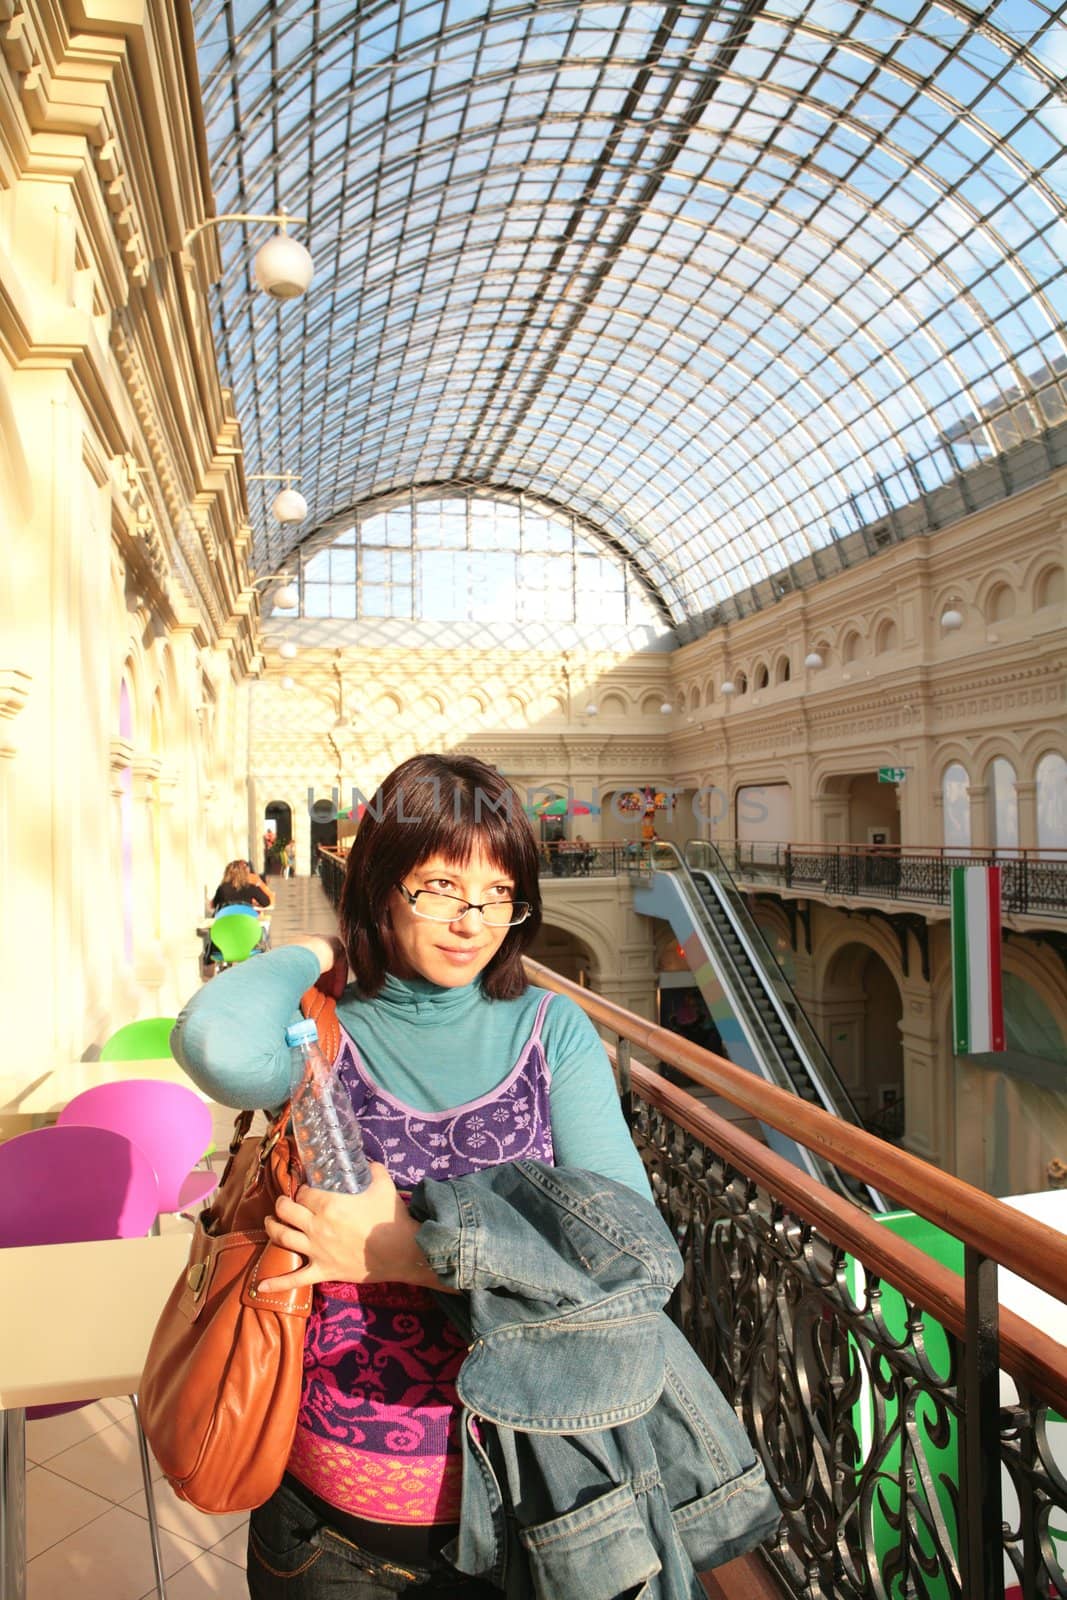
(449, 954)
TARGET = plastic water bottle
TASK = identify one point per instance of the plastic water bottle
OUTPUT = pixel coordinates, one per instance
(326, 1128)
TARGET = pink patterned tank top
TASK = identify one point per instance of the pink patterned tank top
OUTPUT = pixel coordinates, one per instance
(377, 1431)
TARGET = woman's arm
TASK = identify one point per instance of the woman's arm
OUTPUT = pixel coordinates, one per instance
(588, 1127)
(230, 1037)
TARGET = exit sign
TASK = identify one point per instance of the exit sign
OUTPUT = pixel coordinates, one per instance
(892, 774)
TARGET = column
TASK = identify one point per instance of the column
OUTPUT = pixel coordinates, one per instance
(1026, 798)
(981, 833)
(829, 812)
(149, 967)
(177, 926)
(937, 811)
(14, 691)
(929, 1078)
(916, 821)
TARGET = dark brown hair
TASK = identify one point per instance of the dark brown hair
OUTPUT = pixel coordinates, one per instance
(436, 805)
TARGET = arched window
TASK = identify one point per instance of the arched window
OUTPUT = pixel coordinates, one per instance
(886, 637)
(852, 648)
(1050, 589)
(1051, 778)
(1000, 603)
(760, 677)
(782, 671)
(956, 807)
(471, 558)
(1004, 810)
(740, 683)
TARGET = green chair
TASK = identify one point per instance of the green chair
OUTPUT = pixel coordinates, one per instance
(235, 938)
(146, 1040)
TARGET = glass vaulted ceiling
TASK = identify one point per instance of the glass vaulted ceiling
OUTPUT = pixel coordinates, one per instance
(727, 280)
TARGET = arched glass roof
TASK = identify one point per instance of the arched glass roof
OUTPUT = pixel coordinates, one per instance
(730, 281)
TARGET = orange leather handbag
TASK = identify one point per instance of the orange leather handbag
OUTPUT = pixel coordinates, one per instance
(220, 1390)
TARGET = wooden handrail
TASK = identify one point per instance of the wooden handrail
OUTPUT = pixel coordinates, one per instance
(1025, 1352)
(1027, 1247)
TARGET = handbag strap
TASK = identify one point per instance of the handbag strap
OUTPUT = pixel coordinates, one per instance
(322, 1010)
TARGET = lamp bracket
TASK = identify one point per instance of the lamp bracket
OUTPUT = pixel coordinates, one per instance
(283, 219)
(273, 577)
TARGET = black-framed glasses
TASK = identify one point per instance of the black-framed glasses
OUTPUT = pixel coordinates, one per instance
(450, 908)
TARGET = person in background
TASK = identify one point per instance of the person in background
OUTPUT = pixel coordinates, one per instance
(290, 857)
(241, 886)
(454, 1064)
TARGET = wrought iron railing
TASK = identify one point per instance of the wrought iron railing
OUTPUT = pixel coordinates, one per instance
(1032, 881)
(563, 858)
(865, 1372)
(332, 872)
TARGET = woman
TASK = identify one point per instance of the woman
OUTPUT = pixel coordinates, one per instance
(241, 886)
(454, 1064)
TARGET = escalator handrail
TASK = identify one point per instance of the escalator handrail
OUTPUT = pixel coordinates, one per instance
(781, 992)
(727, 881)
(802, 1055)
(832, 1093)
(822, 1170)
(843, 1108)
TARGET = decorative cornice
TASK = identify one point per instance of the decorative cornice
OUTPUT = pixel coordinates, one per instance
(120, 755)
(14, 691)
(146, 767)
(585, 753)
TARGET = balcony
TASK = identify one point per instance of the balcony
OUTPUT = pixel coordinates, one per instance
(910, 1423)
(908, 1416)
(1033, 882)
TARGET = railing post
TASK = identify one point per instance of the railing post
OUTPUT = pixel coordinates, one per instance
(622, 1068)
(981, 1546)
(788, 865)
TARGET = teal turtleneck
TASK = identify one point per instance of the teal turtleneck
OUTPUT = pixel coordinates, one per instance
(230, 1038)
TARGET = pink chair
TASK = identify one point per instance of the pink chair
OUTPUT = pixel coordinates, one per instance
(169, 1122)
(65, 1185)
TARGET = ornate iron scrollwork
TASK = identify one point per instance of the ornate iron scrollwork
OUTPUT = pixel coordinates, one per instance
(850, 1393)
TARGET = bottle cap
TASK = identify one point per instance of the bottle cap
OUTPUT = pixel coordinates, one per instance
(301, 1032)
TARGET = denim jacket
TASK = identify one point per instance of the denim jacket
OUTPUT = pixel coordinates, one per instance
(599, 1457)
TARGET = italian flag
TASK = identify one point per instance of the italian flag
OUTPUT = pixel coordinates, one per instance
(977, 1007)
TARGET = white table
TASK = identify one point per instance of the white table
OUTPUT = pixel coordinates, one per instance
(117, 1288)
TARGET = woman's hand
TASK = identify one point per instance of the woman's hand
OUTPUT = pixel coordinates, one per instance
(350, 1238)
(334, 977)
(333, 962)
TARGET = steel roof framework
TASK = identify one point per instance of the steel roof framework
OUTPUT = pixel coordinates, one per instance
(726, 280)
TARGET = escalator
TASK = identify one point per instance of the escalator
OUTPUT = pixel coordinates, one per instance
(729, 957)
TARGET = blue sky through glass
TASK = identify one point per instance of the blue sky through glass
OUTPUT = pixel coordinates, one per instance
(727, 280)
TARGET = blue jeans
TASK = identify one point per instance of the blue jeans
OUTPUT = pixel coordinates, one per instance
(293, 1556)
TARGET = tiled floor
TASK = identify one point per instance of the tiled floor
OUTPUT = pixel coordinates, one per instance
(87, 1528)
